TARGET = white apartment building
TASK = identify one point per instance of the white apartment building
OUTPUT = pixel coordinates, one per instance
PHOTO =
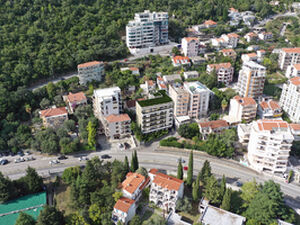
(288, 56)
(249, 57)
(124, 210)
(251, 80)
(117, 126)
(242, 109)
(224, 71)
(165, 190)
(155, 113)
(295, 129)
(265, 36)
(231, 39)
(290, 99)
(133, 185)
(199, 99)
(269, 145)
(180, 97)
(293, 71)
(190, 74)
(269, 109)
(251, 36)
(190, 46)
(90, 71)
(147, 30)
(243, 131)
(229, 52)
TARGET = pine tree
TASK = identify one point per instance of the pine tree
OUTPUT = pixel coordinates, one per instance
(132, 165)
(226, 202)
(196, 190)
(136, 160)
(126, 165)
(223, 186)
(180, 171)
(205, 172)
(189, 180)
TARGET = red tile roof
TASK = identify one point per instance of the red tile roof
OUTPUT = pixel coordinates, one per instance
(133, 68)
(163, 86)
(132, 182)
(253, 54)
(233, 35)
(150, 83)
(295, 81)
(291, 50)
(53, 112)
(269, 105)
(166, 181)
(77, 97)
(188, 39)
(245, 101)
(153, 171)
(124, 204)
(87, 64)
(233, 9)
(251, 34)
(214, 124)
(221, 65)
(268, 125)
(295, 126)
(117, 118)
(178, 58)
(210, 22)
(227, 50)
(297, 66)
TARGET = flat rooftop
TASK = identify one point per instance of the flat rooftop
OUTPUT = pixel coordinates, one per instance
(106, 92)
(195, 87)
(160, 98)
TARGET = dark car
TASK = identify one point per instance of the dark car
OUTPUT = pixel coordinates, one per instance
(3, 161)
(20, 153)
(105, 156)
(62, 157)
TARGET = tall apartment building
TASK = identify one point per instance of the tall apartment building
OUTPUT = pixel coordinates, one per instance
(155, 113)
(117, 126)
(251, 80)
(269, 145)
(293, 71)
(290, 99)
(90, 71)
(224, 71)
(180, 98)
(190, 46)
(288, 56)
(147, 30)
(199, 99)
(242, 109)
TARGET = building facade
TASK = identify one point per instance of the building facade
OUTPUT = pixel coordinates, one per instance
(215, 126)
(181, 61)
(251, 80)
(133, 185)
(290, 99)
(242, 109)
(269, 109)
(147, 30)
(90, 71)
(224, 71)
(229, 52)
(190, 74)
(180, 98)
(190, 46)
(287, 57)
(74, 100)
(124, 210)
(117, 126)
(54, 117)
(293, 71)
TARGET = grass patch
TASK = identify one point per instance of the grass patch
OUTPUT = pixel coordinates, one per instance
(62, 198)
(272, 90)
(276, 78)
(155, 101)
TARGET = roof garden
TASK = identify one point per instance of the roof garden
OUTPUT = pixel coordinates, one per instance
(160, 98)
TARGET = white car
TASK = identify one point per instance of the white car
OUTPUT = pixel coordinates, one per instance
(55, 161)
(18, 160)
(83, 158)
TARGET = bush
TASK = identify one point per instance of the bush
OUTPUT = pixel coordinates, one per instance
(189, 130)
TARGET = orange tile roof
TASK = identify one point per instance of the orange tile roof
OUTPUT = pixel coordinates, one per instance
(153, 171)
(295, 126)
(53, 112)
(291, 50)
(233, 9)
(133, 68)
(178, 58)
(117, 118)
(124, 204)
(150, 82)
(188, 39)
(166, 181)
(233, 35)
(163, 86)
(214, 124)
(295, 81)
(210, 22)
(132, 182)
(227, 50)
(93, 63)
(160, 78)
(245, 101)
(252, 34)
(268, 125)
(221, 65)
(269, 105)
(77, 97)
(253, 54)
(297, 66)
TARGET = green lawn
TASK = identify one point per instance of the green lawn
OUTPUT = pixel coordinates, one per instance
(276, 78)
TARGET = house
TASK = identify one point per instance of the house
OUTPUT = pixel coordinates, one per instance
(171, 79)
(249, 57)
(231, 40)
(209, 24)
(198, 60)
(179, 120)
(54, 117)
(190, 46)
(90, 71)
(162, 87)
(251, 36)
(218, 42)
(124, 210)
(260, 55)
(117, 126)
(295, 129)
(248, 19)
(74, 100)
(148, 87)
(211, 215)
(215, 126)
(242, 109)
(134, 70)
(165, 190)
(229, 52)
(190, 74)
(133, 185)
(293, 71)
(224, 71)
(181, 61)
(265, 36)
(269, 109)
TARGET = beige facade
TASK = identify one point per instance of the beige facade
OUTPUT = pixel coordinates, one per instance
(117, 126)
(288, 57)
(190, 46)
(90, 71)
(242, 109)
(54, 117)
(180, 98)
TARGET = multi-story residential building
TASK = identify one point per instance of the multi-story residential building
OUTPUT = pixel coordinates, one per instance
(231, 39)
(209, 24)
(295, 129)
(293, 71)
(190, 46)
(190, 74)
(90, 71)
(251, 36)
(288, 56)
(215, 126)
(229, 52)
(180, 97)
(117, 126)
(181, 61)
(165, 190)
(243, 131)
(74, 100)
(249, 57)
(224, 71)
(290, 99)
(54, 117)
(171, 79)
(242, 109)
(155, 113)
(147, 30)
(199, 99)
(265, 36)
(124, 210)
(269, 109)
(251, 80)
(133, 185)
(269, 145)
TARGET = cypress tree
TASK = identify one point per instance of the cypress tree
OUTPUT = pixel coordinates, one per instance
(136, 160)
(132, 165)
(205, 172)
(126, 165)
(226, 202)
(196, 190)
(189, 179)
(223, 185)
(180, 171)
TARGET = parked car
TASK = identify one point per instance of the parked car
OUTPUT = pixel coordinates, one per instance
(18, 160)
(238, 183)
(20, 153)
(62, 157)
(54, 161)
(180, 159)
(3, 162)
(82, 158)
(105, 156)
(27, 153)
(30, 158)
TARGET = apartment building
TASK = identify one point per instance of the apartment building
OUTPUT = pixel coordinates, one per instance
(224, 71)
(269, 145)
(209, 24)
(229, 52)
(264, 36)
(180, 97)
(54, 117)
(190, 46)
(124, 210)
(181, 61)
(251, 36)
(171, 79)
(165, 190)
(269, 109)
(251, 80)
(74, 100)
(288, 57)
(133, 185)
(90, 71)
(243, 131)
(190, 74)
(295, 129)
(242, 109)
(215, 126)
(199, 99)
(231, 39)
(155, 113)
(290, 99)
(147, 30)
(293, 71)
(249, 57)
(117, 126)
